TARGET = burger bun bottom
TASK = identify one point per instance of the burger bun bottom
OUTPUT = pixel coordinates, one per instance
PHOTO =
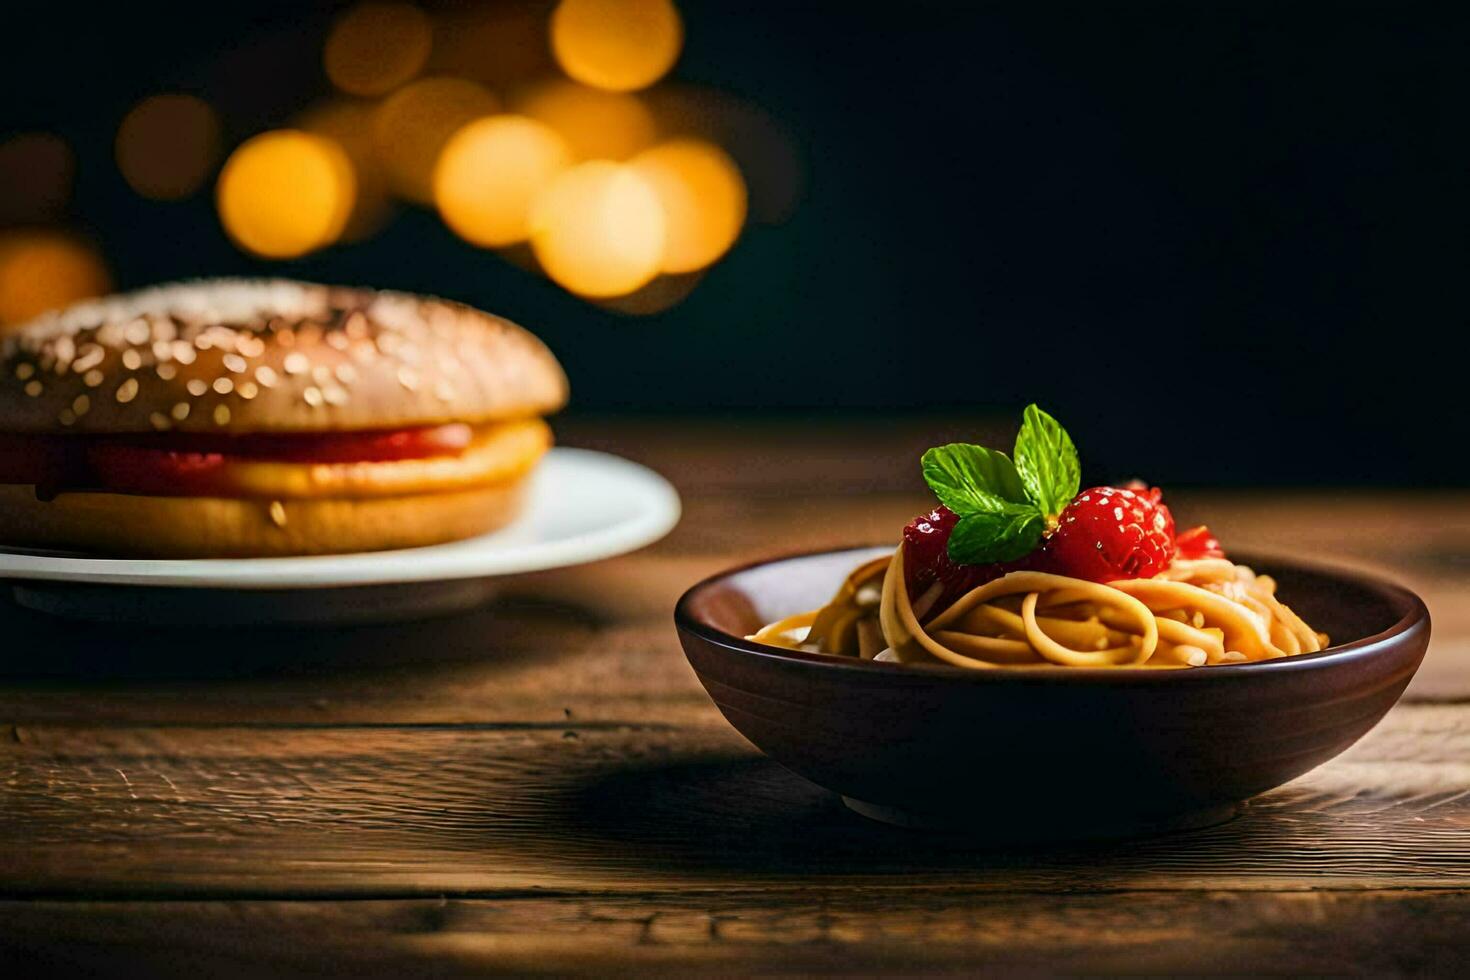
(124, 525)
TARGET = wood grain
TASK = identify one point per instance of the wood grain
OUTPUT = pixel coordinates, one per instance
(1239, 932)
(543, 787)
(671, 803)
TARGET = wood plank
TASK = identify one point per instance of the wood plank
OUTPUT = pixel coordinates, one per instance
(380, 811)
(1239, 932)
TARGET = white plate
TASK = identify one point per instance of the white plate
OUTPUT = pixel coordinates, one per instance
(583, 506)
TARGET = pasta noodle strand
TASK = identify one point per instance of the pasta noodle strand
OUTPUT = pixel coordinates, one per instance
(1199, 612)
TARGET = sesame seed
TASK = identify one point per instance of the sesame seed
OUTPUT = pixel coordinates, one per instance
(337, 340)
(313, 396)
(409, 378)
(444, 391)
(334, 395)
(278, 513)
(81, 404)
(33, 388)
(251, 346)
(137, 332)
(180, 411)
(197, 386)
(92, 378)
(203, 342)
(132, 360)
(247, 390)
(183, 353)
(265, 376)
(167, 371)
(234, 363)
(67, 417)
(92, 356)
(296, 364)
(128, 390)
(286, 337)
(221, 415)
(321, 374)
(223, 386)
(24, 371)
(346, 373)
(159, 421)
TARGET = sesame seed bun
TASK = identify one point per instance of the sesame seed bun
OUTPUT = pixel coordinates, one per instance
(149, 527)
(242, 356)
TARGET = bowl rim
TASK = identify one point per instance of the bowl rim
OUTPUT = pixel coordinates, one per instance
(1361, 649)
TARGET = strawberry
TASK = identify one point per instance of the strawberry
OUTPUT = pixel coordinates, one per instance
(1109, 533)
(1197, 543)
(926, 560)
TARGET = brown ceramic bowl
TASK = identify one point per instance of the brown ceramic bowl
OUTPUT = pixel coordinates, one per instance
(1036, 753)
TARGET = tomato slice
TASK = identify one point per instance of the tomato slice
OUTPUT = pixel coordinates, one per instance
(375, 446)
(196, 465)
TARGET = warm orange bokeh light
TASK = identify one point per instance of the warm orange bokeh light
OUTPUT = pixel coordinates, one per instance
(663, 293)
(166, 146)
(285, 193)
(703, 198)
(376, 47)
(349, 122)
(412, 125)
(618, 45)
(46, 270)
(36, 175)
(489, 174)
(598, 230)
(497, 44)
(597, 125)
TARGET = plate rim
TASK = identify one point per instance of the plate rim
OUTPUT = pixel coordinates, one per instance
(658, 514)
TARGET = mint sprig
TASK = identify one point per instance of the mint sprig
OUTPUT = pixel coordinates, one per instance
(1004, 507)
(1047, 462)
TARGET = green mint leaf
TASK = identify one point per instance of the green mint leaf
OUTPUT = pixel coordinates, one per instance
(972, 479)
(1005, 535)
(1047, 462)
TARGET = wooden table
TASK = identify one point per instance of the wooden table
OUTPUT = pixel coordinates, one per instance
(542, 786)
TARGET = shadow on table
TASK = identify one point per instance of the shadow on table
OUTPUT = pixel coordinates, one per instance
(43, 647)
(754, 817)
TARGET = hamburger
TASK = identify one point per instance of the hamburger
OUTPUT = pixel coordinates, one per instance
(251, 418)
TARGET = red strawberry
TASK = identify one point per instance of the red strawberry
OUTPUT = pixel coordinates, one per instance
(926, 560)
(1109, 533)
(1198, 542)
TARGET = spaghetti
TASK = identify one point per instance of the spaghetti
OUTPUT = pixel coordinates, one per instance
(1192, 614)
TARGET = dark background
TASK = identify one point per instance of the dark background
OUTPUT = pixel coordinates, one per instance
(1223, 242)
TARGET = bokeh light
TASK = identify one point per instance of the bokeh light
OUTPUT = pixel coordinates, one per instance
(349, 122)
(285, 193)
(412, 125)
(375, 47)
(43, 270)
(167, 144)
(763, 148)
(598, 230)
(663, 293)
(618, 45)
(489, 174)
(36, 175)
(597, 125)
(703, 197)
(496, 44)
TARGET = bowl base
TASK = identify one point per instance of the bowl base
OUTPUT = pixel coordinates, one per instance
(1040, 830)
